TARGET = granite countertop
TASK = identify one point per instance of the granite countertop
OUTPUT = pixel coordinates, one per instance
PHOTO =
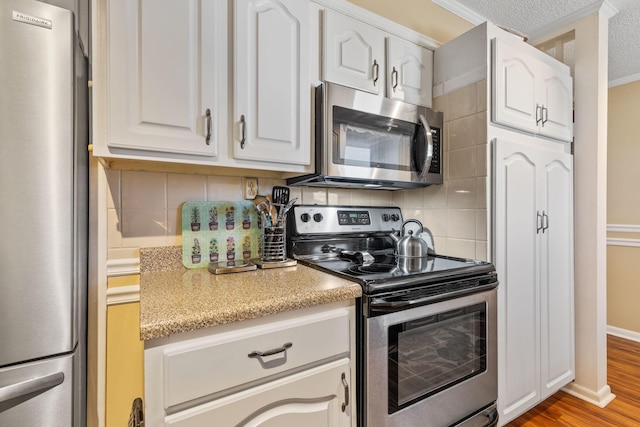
(174, 299)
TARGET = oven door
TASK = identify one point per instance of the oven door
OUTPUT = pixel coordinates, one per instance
(434, 365)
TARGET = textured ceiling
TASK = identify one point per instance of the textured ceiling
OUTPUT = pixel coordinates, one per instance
(531, 16)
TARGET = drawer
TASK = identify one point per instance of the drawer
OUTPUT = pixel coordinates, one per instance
(311, 398)
(216, 363)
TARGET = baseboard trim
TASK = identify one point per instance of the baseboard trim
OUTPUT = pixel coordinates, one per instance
(600, 398)
(123, 267)
(623, 333)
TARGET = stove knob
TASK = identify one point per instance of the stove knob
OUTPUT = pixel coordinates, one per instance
(317, 217)
(395, 217)
(305, 217)
(386, 217)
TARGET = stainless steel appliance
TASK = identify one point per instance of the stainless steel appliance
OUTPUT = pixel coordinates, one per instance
(364, 140)
(43, 216)
(426, 335)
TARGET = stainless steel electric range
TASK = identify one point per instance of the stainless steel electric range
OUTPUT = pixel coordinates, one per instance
(426, 326)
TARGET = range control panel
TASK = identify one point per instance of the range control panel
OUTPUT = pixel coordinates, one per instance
(315, 219)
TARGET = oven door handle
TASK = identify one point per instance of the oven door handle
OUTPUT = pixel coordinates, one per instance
(429, 137)
(382, 304)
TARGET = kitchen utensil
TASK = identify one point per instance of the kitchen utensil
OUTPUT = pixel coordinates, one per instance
(284, 209)
(280, 195)
(273, 210)
(410, 245)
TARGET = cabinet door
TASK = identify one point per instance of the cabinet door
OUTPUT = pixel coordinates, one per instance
(515, 98)
(312, 398)
(353, 53)
(556, 93)
(556, 254)
(161, 75)
(272, 89)
(516, 189)
(409, 72)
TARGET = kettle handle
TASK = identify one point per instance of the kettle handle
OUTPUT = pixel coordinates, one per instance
(412, 220)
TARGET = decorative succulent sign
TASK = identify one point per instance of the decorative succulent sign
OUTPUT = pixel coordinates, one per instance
(219, 231)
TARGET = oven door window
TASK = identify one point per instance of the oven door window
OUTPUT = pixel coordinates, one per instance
(430, 354)
(372, 141)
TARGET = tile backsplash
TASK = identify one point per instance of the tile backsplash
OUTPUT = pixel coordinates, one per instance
(144, 208)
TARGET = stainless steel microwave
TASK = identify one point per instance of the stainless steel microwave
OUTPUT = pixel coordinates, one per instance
(367, 141)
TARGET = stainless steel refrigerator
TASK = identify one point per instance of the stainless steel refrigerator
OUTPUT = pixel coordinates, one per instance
(43, 217)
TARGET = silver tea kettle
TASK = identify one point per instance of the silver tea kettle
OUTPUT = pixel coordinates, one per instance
(410, 245)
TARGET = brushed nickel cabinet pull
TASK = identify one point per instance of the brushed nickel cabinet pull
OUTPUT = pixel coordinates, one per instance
(243, 129)
(538, 114)
(394, 79)
(271, 352)
(539, 222)
(208, 120)
(346, 392)
(545, 115)
(376, 72)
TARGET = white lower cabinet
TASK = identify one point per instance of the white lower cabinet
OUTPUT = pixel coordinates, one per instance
(312, 398)
(534, 261)
(290, 369)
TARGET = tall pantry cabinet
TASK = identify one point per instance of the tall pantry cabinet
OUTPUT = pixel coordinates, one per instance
(530, 203)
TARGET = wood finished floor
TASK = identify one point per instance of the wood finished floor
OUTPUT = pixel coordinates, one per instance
(623, 371)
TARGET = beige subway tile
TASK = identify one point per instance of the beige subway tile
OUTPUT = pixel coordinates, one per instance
(481, 128)
(185, 188)
(481, 88)
(481, 188)
(361, 197)
(441, 103)
(461, 248)
(114, 235)
(143, 190)
(461, 224)
(381, 197)
(462, 194)
(338, 196)
(482, 157)
(481, 251)
(462, 163)
(312, 196)
(436, 221)
(462, 102)
(463, 132)
(435, 196)
(481, 224)
(143, 223)
(113, 188)
(224, 188)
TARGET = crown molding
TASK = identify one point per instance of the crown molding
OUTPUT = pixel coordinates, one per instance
(624, 80)
(461, 11)
(602, 6)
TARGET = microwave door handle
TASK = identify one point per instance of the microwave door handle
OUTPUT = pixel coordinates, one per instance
(429, 138)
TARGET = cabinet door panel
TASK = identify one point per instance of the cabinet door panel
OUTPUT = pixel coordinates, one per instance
(156, 96)
(514, 83)
(516, 262)
(312, 398)
(557, 336)
(272, 94)
(409, 72)
(557, 98)
(350, 49)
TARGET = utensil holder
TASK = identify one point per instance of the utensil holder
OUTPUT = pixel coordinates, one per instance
(274, 241)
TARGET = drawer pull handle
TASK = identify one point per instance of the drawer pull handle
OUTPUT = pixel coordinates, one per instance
(271, 352)
(346, 392)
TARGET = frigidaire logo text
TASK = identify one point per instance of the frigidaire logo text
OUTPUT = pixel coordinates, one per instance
(33, 20)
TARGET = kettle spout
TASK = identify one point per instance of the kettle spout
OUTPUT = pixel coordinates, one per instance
(394, 236)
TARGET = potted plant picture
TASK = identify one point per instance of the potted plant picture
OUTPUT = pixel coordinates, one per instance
(231, 248)
(195, 218)
(213, 250)
(246, 218)
(213, 218)
(230, 217)
(195, 252)
(246, 247)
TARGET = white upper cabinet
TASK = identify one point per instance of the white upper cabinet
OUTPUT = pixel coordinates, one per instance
(530, 94)
(409, 71)
(355, 56)
(272, 92)
(353, 53)
(161, 71)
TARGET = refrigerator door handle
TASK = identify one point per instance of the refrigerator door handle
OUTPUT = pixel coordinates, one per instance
(32, 386)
